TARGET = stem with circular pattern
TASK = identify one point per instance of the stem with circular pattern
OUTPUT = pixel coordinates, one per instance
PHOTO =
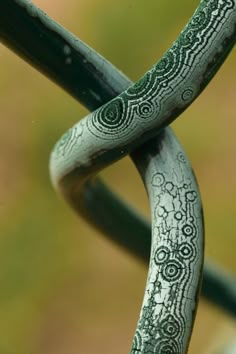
(126, 122)
(175, 268)
(139, 112)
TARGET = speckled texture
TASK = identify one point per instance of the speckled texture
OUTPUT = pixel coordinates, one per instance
(170, 86)
(176, 259)
(133, 117)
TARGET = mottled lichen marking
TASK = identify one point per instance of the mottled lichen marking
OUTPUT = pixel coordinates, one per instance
(140, 112)
(167, 314)
(169, 86)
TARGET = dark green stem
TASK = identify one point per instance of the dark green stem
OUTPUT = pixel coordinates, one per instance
(93, 81)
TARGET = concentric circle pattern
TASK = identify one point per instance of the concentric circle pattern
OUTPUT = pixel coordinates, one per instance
(131, 119)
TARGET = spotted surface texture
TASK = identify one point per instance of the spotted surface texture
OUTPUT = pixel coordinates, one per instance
(169, 304)
(133, 117)
(158, 97)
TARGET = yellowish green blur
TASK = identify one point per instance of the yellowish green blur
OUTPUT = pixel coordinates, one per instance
(64, 288)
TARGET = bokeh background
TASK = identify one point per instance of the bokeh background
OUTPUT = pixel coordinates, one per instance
(64, 288)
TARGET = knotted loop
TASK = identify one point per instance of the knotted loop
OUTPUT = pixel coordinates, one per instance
(133, 123)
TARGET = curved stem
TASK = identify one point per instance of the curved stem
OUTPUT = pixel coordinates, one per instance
(93, 81)
(57, 53)
(175, 267)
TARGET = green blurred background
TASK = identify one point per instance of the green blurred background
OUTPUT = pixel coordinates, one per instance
(64, 288)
